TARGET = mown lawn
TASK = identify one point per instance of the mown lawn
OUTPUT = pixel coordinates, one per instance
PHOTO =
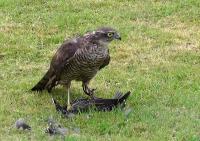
(158, 60)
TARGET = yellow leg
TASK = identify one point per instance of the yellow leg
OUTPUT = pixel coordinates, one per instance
(68, 99)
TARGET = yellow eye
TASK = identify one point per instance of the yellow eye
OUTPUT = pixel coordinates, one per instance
(110, 34)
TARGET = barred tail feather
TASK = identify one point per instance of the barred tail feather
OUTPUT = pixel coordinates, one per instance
(41, 85)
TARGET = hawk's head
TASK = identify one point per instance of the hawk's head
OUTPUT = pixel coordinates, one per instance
(105, 35)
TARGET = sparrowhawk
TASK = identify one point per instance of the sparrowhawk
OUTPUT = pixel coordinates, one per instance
(79, 59)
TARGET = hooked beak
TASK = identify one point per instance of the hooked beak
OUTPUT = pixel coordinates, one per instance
(117, 36)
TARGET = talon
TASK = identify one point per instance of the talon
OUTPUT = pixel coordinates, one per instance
(92, 91)
(88, 91)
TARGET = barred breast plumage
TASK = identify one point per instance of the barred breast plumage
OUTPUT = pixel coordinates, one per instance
(85, 63)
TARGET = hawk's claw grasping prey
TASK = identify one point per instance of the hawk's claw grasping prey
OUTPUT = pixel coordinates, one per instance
(79, 59)
(89, 92)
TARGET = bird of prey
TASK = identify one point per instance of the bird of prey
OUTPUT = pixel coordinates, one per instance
(79, 59)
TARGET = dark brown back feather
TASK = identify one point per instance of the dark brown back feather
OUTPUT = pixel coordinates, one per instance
(59, 60)
(62, 56)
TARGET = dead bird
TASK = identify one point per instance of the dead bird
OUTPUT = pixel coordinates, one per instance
(99, 104)
(21, 124)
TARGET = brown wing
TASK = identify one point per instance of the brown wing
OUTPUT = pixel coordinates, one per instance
(62, 56)
(59, 60)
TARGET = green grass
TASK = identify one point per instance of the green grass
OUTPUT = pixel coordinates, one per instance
(158, 60)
